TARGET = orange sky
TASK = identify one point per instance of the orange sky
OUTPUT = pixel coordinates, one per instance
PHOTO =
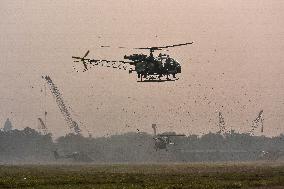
(235, 65)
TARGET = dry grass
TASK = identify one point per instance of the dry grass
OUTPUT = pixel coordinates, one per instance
(230, 175)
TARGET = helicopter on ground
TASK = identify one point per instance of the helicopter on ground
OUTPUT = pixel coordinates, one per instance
(75, 156)
(149, 66)
(271, 155)
(163, 140)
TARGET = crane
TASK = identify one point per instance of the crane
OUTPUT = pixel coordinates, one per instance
(258, 121)
(221, 124)
(73, 125)
(42, 127)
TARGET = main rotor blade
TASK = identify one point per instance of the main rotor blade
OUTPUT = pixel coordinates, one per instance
(169, 135)
(177, 45)
(150, 48)
(164, 47)
(107, 46)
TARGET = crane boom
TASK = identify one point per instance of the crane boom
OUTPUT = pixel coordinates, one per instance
(258, 121)
(221, 124)
(73, 125)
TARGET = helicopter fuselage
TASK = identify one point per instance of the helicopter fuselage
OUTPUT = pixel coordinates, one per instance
(162, 65)
(161, 142)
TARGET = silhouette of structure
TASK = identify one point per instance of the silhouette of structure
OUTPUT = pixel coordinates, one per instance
(7, 125)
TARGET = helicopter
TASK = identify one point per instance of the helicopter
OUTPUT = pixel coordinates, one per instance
(271, 155)
(163, 140)
(148, 67)
(75, 156)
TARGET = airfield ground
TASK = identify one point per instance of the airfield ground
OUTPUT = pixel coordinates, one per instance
(216, 175)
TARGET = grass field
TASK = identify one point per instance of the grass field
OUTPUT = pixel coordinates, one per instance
(230, 175)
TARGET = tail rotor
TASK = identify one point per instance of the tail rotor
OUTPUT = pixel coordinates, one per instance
(83, 60)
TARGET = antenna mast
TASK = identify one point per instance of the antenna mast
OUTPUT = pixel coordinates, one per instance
(45, 112)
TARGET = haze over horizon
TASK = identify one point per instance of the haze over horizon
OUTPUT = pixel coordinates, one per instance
(235, 65)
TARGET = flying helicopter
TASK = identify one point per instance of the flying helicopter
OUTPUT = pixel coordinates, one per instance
(148, 67)
(163, 140)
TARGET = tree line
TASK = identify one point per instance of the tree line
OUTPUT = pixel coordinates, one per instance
(30, 146)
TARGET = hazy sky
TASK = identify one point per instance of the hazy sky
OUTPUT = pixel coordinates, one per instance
(234, 66)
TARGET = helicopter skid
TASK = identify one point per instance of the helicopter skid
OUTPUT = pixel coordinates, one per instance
(156, 78)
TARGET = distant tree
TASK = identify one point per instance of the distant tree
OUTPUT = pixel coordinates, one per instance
(28, 145)
(25, 145)
(212, 141)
